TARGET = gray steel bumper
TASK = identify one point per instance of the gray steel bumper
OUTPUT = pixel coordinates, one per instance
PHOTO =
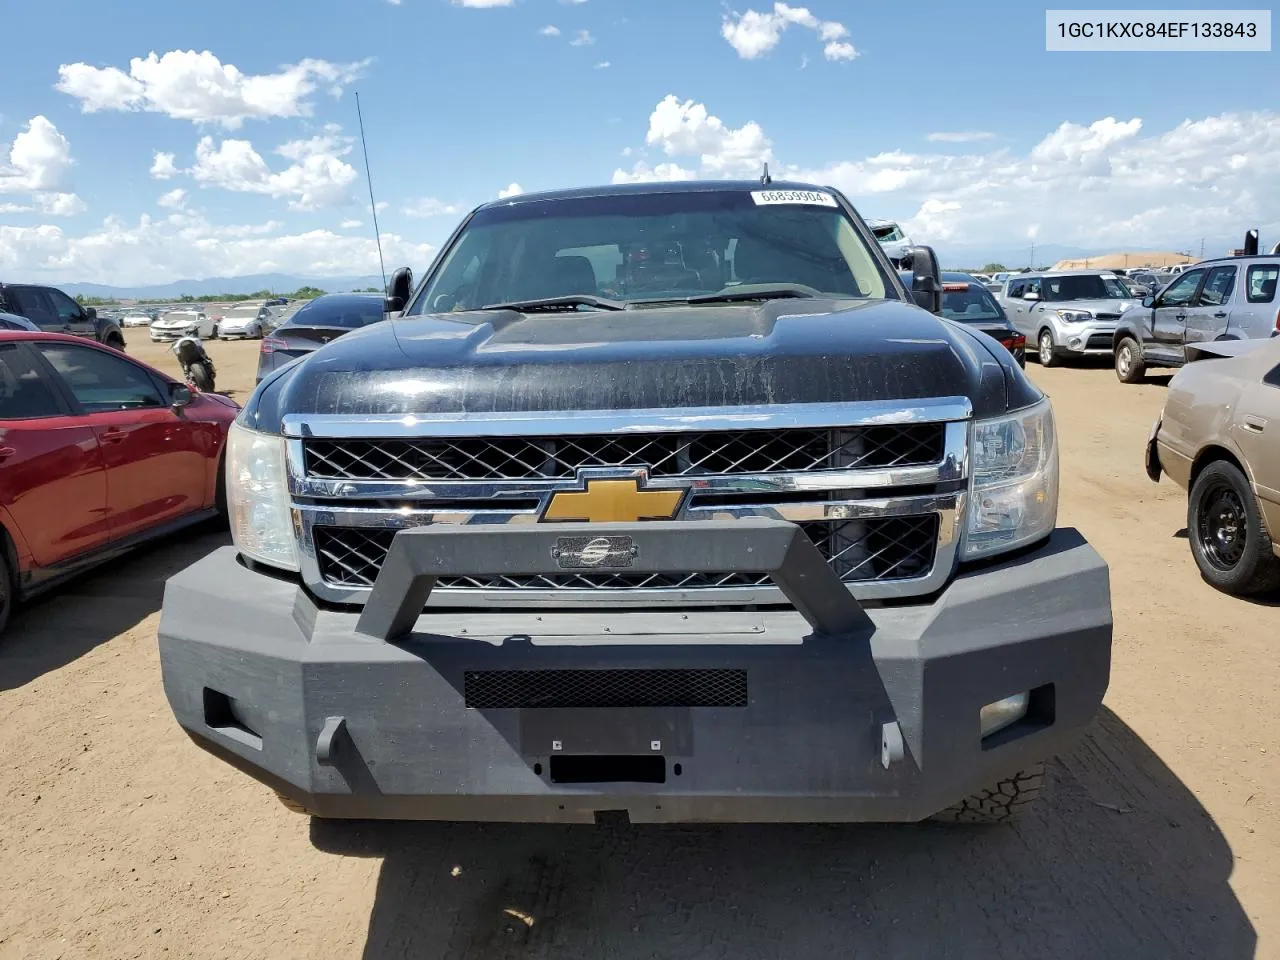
(318, 705)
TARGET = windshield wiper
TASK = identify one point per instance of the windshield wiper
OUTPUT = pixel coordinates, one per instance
(754, 292)
(557, 303)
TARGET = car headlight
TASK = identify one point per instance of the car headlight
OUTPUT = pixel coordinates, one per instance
(1075, 316)
(1013, 497)
(258, 498)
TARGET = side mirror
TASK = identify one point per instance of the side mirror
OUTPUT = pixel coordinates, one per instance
(398, 290)
(91, 313)
(1031, 295)
(926, 278)
(179, 395)
(1148, 301)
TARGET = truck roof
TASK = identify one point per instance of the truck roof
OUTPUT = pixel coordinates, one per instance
(664, 186)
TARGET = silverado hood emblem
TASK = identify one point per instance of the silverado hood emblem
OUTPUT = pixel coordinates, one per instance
(621, 500)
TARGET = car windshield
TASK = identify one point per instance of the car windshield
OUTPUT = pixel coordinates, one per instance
(968, 302)
(183, 315)
(888, 233)
(349, 312)
(1116, 288)
(1076, 287)
(241, 313)
(637, 247)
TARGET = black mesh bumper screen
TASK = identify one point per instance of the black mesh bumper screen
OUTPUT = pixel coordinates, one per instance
(490, 689)
(875, 550)
(665, 454)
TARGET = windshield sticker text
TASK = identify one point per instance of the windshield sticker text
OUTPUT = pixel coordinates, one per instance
(810, 197)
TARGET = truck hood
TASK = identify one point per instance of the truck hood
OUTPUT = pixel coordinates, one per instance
(781, 351)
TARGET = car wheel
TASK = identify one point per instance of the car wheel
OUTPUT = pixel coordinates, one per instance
(1228, 540)
(1044, 345)
(7, 592)
(1130, 367)
(1003, 802)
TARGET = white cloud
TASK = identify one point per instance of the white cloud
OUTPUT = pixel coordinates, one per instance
(430, 207)
(60, 204)
(550, 30)
(187, 85)
(514, 190)
(582, 38)
(378, 207)
(163, 166)
(686, 129)
(158, 250)
(316, 179)
(175, 199)
(754, 34)
(603, 65)
(38, 158)
(960, 136)
(643, 173)
(483, 3)
(14, 208)
(350, 224)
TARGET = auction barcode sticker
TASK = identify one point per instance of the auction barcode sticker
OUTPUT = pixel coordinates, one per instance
(811, 197)
(1158, 30)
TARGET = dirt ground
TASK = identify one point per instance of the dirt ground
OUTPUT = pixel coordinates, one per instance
(1161, 838)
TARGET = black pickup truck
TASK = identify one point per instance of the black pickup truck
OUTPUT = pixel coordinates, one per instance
(667, 499)
(54, 312)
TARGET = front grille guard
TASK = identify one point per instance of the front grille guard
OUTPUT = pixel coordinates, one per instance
(810, 496)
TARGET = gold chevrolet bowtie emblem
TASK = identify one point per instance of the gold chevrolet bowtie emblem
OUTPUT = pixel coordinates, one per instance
(617, 501)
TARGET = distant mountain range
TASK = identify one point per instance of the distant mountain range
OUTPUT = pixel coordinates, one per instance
(275, 282)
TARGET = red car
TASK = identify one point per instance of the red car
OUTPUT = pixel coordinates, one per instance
(98, 452)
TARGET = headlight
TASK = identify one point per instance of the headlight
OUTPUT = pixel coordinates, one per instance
(1013, 498)
(1075, 316)
(258, 498)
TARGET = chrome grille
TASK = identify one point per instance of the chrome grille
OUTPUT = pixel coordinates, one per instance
(665, 454)
(879, 549)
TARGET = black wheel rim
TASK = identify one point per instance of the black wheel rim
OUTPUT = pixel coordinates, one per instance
(1221, 527)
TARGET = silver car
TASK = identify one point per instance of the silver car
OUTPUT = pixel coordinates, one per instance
(243, 322)
(182, 323)
(1066, 313)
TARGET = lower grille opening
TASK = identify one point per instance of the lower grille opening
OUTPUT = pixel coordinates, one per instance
(877, 549)
(529, 689)
(606, 769)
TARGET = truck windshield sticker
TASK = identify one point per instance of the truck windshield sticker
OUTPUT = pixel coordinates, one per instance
(812, 198)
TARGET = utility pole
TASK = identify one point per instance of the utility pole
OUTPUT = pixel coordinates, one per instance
(1202, 248)
(1032, 264)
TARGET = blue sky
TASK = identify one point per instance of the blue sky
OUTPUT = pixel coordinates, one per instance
(960, 125)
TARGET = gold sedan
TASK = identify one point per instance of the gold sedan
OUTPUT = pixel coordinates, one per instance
(1219, 438)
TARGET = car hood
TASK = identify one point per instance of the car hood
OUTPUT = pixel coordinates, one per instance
(782, 351)
(1095, 307)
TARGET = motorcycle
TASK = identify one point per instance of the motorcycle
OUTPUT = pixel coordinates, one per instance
(197, 367)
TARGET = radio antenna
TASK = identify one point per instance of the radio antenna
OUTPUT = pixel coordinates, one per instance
(373, 207)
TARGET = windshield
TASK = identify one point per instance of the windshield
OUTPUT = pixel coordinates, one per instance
(1116, 288)
(654, 247)
(349, 312)
(241, 313)
(177, 315)
(887, 234)
(1077, 287)
(972, 303)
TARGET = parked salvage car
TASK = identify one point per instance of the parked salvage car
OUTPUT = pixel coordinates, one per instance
(244, 322)
(315, 324)
(1217, 438)
(892, 238)
(177, 324)
(53, 311)
(967, 300)
(1066, 313)
(137, 320)
(1229, 299)
(752, 536)
(98, 453)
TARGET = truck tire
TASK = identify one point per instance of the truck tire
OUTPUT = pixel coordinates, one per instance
(1228, 538)
(1130, 367)
(1044, 347)
(1002, 802)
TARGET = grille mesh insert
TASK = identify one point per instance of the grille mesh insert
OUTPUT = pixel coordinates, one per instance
(665, 454)
(493, 689)
(878, 549)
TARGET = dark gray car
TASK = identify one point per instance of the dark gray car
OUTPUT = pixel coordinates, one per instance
(315, 324)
